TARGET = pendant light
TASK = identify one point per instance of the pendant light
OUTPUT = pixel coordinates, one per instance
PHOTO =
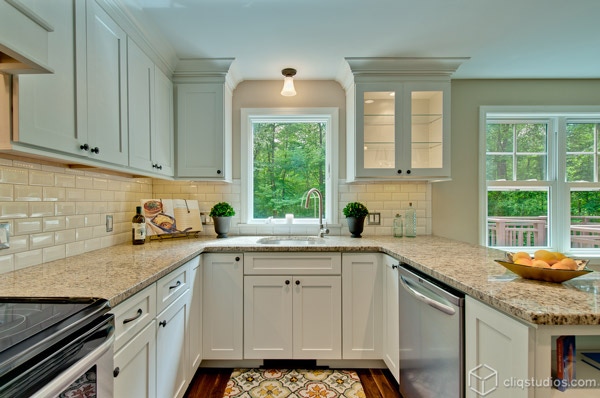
(288, 82)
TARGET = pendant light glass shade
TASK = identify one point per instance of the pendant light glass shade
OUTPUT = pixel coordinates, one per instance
(288, 82)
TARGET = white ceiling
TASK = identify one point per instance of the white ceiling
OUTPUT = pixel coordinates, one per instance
(503, 38)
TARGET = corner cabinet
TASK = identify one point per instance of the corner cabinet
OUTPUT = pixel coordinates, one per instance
(398, 118)
(203, 116)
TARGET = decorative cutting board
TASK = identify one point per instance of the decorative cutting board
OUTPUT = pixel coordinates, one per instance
(171, 216)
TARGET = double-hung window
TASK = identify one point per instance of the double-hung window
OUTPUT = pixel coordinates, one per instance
(540, 184)
(284, 153)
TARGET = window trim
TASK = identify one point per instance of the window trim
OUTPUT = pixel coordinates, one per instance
(331, 116)
(558, 226)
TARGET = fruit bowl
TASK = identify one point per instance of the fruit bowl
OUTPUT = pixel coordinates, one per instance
(545, 274)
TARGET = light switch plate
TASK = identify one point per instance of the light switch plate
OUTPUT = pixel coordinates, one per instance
(109, 223)
(374, 219)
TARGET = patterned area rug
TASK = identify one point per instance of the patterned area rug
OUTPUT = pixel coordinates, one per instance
(293, 383)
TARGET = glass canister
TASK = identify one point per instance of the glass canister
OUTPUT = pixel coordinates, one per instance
(398, 226)
(410, 221)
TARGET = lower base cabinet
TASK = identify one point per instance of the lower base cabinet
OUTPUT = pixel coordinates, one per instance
(391, 326)
(496, 345)
(135, 365)
(172, 345)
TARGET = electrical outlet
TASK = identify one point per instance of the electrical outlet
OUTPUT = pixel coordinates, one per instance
(374, 219)
(109, 223)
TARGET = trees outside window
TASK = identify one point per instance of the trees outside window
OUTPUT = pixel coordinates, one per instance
(540, 179)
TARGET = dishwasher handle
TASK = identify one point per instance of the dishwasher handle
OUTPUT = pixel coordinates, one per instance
(433, 303)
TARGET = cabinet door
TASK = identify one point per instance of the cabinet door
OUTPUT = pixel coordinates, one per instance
(195, 320)
(45, 115)
(140, 99)
(427, 126)
(135, 365)
(163, 129)
(171, 349)
(496, 343)
(222, 305)
(106, 87)
(362, 309)
(201, 130)
(268, 317)
(391, 333)
(317, 309)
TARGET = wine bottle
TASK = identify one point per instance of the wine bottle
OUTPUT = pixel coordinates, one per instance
(138, 227)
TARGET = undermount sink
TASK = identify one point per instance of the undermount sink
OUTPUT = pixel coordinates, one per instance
(291, 240)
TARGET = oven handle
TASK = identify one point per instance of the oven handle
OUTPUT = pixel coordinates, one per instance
(65, 379)
(435, 304)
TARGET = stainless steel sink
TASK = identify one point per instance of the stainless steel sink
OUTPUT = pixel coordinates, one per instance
(291, 240)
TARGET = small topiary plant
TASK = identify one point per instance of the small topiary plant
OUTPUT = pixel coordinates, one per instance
(222, 209)
(355, 209)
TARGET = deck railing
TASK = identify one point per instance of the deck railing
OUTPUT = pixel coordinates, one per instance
(532, 231)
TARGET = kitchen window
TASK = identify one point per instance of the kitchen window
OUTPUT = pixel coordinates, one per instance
(540, 183)
(284, 153)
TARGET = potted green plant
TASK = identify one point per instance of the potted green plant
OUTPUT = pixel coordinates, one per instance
(221, 214)
(355, 213)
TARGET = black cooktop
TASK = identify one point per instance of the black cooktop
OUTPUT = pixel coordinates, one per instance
(28, 326)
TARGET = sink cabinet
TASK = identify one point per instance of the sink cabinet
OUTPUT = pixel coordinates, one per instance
(285, 296)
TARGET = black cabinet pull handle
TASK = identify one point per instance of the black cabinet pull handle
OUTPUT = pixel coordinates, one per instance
(395, 266)
(287, 282)
(297, 282)
(133, 318)
(237, 259)
(162, 323)
(218, 171)
(116, 371)
(84, 147)
(175, 286)
(95, 150)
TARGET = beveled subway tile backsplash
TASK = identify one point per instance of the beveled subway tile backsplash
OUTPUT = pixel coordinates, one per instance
(55, 211)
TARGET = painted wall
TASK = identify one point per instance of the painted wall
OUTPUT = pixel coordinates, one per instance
(455, 203)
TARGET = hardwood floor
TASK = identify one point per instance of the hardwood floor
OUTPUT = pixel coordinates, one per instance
(211, 382)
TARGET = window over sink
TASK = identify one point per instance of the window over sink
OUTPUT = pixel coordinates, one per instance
(540, 178)
(284, 153)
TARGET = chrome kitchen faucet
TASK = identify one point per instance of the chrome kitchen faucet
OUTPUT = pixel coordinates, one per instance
(322, 230)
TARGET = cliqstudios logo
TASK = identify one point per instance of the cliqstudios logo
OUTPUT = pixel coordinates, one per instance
(483, 379)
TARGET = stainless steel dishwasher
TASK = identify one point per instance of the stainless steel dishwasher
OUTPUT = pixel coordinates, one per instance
(431, 337)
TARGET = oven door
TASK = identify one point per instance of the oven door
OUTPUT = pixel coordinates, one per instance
(81, 365)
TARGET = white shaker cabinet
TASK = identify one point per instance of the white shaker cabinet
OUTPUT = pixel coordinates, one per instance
(44, 114)
(222, 305)
(362, 305)
(391, 327)
(497, 344)
(150, 117)
(172, 342)
(101, 86)
(295, 317)
(204, 131)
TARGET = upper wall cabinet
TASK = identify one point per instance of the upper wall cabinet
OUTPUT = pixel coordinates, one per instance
(398, 122)
(102, 95)
(25, 29)
(150, 105)
(203, 117)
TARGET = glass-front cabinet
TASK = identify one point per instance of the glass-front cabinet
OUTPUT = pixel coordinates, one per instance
(401, 131)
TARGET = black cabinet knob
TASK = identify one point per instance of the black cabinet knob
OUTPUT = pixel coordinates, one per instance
(297, 282)
(162, 323)
(287, 282)
(399, 171)
(407, 171)
(95, 150)
(218, 171)
(116, 371)
(84, 147)
(159, 167)
(237, 259)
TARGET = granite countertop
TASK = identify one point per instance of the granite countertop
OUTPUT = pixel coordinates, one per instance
(118, 272)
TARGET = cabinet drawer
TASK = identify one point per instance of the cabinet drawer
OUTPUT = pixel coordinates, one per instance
(133, 314)
(173, 285)
(292, 263)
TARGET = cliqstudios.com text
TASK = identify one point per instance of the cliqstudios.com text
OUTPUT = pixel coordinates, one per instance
(514, 382)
